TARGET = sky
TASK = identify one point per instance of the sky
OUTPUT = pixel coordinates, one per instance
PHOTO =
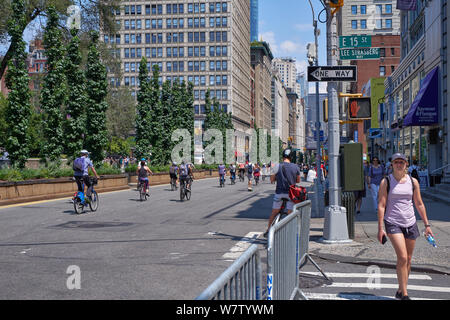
(287, 25)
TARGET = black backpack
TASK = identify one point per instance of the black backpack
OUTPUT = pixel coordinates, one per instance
(415, 174)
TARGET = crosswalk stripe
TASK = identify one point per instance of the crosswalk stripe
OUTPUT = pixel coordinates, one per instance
(344, 296)
(367, 275)
(386, 286)
(236, 251)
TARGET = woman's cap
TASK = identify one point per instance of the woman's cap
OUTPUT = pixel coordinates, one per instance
(398, 156)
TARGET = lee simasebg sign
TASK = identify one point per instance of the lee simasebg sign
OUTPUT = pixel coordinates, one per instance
(359, 53)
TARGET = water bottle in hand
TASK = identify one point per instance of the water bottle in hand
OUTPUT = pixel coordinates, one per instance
(430, 240)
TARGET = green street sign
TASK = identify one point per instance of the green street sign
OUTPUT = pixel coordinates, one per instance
(355, 42)
(359, 53)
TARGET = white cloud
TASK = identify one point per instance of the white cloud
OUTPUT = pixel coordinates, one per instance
(269, 37)
(304, 27)
(289, 46)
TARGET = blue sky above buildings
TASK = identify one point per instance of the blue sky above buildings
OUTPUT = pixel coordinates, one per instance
(287, 25)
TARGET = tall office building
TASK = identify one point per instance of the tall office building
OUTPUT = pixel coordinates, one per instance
(206, 43)
(287, 70)
(254, 20)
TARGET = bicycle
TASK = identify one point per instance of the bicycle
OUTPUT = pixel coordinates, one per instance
(142, 190)
(184, 191)
(80, 200)
(222, 180)
(256, 180)
(280, 215)
(241, 175)
(173, 184)
(233, 178)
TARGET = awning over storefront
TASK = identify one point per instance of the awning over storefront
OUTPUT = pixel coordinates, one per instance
(424, 110)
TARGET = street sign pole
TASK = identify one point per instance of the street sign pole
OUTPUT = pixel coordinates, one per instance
(335, 225)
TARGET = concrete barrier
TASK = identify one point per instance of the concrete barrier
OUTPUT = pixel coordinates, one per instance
(12, 192)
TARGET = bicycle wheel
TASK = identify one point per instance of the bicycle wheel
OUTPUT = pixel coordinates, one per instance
(93, 204)
(77, 205)
(182, 192)
(188, 194)
(142, 194)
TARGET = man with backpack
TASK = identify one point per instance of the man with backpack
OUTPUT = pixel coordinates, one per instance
(414, 171)
(81, 167)
(285, 175)
(249, 169)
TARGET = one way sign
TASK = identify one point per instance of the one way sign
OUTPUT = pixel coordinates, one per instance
(332, 73)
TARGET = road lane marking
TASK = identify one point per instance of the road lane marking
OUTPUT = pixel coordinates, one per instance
(239, 248)
(344, 296)
(388, 286)
(366, 275)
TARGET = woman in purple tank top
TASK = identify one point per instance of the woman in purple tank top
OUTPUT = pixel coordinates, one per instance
(395, 208)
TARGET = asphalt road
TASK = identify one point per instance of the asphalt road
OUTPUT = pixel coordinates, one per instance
(159, 249)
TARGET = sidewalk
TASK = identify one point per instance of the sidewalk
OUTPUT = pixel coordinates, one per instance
(366, 250)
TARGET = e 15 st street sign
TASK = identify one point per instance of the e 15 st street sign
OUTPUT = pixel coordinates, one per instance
(332, 73)
(355, 41)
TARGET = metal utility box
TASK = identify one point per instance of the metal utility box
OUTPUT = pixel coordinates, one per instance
(351, 164)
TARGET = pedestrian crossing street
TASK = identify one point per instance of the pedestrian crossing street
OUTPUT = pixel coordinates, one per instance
(367, 286)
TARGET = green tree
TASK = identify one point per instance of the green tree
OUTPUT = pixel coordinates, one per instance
(75, 122)
(156, 130)
(18, 111)
(217, 118)
(53, 94)
(120, 117)
(96, 107)
(3, 123)
(143, 114)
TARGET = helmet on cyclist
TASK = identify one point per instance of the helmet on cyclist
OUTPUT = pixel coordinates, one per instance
(287, 153)
(174, 163)
(84, 151)
(143, 159)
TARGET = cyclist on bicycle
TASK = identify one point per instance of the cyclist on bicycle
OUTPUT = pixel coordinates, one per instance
(173, 172)
(191, 168)
(249, 168)
(284, 174)
(81, 166)
(143, 171)
(184, 174)
(222, 172)
(241, 170)
(232, 168)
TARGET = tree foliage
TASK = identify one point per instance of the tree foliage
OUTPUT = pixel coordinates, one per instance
(18, 111)
(96, 107)
(75, 122)
(53, 94)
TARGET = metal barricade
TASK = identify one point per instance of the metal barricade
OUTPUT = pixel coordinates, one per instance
(283, 253)
(287, 252)
(241, 281)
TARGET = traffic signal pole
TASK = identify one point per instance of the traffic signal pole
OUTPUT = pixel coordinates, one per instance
(335, 225)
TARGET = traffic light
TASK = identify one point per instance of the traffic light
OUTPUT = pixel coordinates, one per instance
(359, 108)
(325, 110)
(336, 3)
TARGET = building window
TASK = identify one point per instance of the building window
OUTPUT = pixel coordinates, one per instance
(354, 24)
(363, 9)
(388, 23)
(392, 69)
(379, 9)
(379, 23)
(392, 51)
(382, 71)
(354, 9)
(382, 52)
(388, 8)
(363, 24)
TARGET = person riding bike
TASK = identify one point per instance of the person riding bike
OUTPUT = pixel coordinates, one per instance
(184, 174)
(249, 168)
(191, 168)
(222, 172)
(285, 174)
(232, 168)
(143, 172)
(173, 171)
(256, 172)
(81, 166)
(241, 170)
